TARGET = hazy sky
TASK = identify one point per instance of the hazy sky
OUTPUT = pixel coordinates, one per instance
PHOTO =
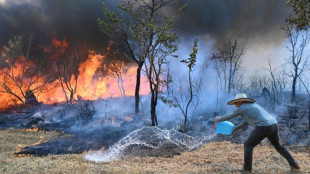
(257, 22)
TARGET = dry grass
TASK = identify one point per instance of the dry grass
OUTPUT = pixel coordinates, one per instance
(215, 157)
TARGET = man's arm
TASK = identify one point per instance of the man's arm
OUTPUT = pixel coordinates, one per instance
(228, 116)
(241, 125)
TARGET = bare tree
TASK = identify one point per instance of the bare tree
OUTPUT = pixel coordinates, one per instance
(308, 92)
(118, 68)
(228, 61)
(22, 73)
(273, 81)
(66, 70)
(297, 42)
(256, 83)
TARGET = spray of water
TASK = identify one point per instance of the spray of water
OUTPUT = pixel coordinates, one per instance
(151, 137)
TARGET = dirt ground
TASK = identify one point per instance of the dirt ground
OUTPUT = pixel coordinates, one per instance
(214, 157)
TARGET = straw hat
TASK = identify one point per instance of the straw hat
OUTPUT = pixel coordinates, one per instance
(241, 97)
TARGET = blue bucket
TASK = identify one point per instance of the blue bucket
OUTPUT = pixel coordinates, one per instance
(224, 127)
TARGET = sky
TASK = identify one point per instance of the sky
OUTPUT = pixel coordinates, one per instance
(257, 23)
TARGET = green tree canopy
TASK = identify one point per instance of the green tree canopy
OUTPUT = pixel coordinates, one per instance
(301, 16)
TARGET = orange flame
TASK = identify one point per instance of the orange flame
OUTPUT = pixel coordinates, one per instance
(91, 85)
(15, 79)
(20, 148)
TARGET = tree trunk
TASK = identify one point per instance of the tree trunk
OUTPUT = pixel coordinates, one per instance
(230, 76)
(137, 95)
(122, 85)
(190, 99)
(294, 88)
(71, 97)
(119, 85)
(153, 109)
(63, 89)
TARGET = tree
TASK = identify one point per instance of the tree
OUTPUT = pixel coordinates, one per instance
(118, 27)
(22, 74)
(66, 71)
(143, 24)
(301, 14)
(157, 42)
(308, 92)
(297, 42)
(277, 83)
(228, 62)
(184, 105)
(117, 67)
(146, 37)
(256, 83)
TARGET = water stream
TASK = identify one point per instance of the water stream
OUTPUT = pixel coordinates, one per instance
(151, 137)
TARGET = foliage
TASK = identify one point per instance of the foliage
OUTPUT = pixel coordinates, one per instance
(143, 31)
(301, 16)
(191, 61)
(140, 29)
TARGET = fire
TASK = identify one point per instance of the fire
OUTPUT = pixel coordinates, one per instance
(34, 129)
(21, 147)
(91, 85)
(14, 79)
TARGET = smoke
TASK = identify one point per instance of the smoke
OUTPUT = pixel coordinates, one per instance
(74, 20)
(254, 21)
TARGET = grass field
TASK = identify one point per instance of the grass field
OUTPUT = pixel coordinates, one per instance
(215, 157)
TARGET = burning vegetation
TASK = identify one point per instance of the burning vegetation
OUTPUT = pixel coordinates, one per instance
(139, 101)
(65, 78)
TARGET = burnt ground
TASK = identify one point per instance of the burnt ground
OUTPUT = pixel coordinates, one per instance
(93, 134)
(85, 135)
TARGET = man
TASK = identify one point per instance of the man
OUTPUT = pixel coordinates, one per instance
(265, 126)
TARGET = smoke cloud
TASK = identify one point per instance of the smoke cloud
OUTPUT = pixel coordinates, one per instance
(253, 20)
(74, 20)
(212, 21)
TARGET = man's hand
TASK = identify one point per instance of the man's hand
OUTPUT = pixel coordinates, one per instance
(233, 132)
(216, 118)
